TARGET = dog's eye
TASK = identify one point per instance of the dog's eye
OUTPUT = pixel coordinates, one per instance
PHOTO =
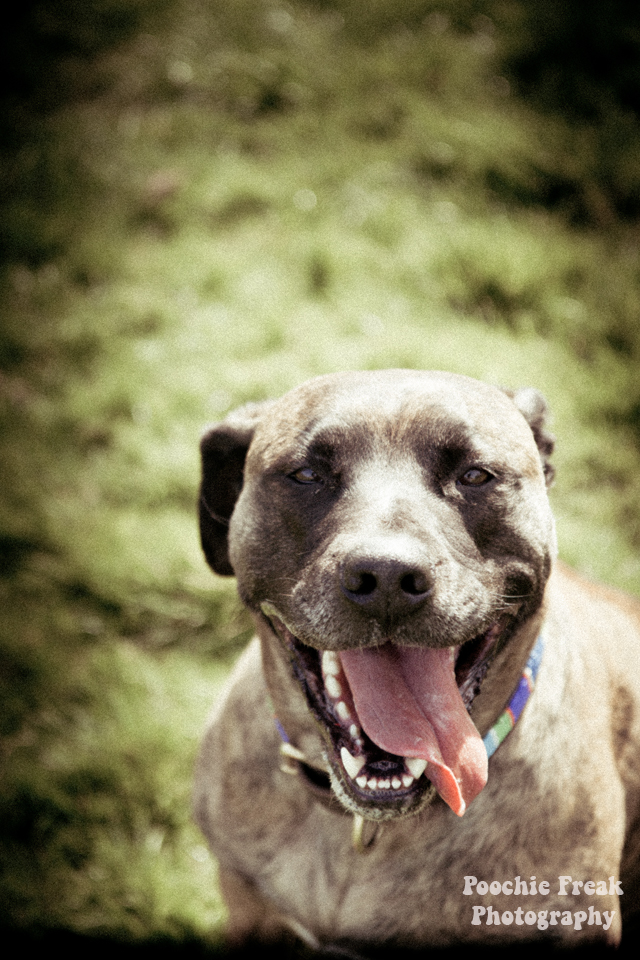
(305, 475)
(475, 477)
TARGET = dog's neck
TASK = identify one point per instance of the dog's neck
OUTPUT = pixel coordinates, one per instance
(508, 719)
(504, 677)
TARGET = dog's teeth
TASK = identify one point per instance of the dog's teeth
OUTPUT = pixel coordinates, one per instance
(343, 710)
(355, 733)
(416, 766)
(373, 783)
(330, 663)
(333, 687)
(353, 765)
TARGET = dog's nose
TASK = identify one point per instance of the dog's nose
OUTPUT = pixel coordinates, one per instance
(385, 587)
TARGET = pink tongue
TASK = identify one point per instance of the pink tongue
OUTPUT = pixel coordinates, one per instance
(408, 704)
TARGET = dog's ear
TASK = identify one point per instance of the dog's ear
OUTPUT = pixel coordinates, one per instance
(533, 407)
(224, 449)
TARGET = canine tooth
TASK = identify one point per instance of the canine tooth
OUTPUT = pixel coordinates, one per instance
(372, 784)
(353, 765)
(343, 710)
(362, 781)
(353, 730)
(330, 663)
(333, 687)
(416, 766)
(406, 780)
(396, 783)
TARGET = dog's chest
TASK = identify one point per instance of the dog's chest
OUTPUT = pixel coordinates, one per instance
(409, 885)
(398, 889)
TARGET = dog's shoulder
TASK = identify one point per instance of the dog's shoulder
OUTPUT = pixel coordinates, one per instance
(601, 614)
(602, 627)
(232, 741)
(240, 791)
(598, 593)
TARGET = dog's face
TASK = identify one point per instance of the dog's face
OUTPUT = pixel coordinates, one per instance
(390, 531)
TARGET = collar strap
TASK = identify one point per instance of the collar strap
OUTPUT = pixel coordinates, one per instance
(507, 720)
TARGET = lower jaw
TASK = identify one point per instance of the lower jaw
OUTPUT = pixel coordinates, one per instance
(379, 808)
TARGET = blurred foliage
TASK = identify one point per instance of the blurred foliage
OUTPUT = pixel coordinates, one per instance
(578, 57)
(205, 203)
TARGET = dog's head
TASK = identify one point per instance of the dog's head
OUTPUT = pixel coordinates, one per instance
(391, 533)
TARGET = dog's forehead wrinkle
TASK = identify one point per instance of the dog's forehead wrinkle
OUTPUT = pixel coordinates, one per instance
(421, 420)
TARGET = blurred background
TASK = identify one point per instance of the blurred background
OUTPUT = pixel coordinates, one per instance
(205, 202)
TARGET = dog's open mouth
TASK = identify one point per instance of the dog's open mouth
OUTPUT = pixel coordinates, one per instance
(395, 719)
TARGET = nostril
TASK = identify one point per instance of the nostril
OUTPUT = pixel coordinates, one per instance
(415, 584)
(362, 584)
(385, 584)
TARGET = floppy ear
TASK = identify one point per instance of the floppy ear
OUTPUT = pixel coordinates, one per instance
(224, 449)
(533, 407)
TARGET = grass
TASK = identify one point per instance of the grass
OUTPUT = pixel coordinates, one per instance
(232, 198)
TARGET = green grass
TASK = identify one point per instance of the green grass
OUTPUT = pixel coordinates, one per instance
(254, 193)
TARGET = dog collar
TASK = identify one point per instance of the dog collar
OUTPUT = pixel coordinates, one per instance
(507, 720)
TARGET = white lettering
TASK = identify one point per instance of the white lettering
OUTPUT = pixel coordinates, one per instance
(493, 917)
(563, 883)
(543, 918)
(580, 918)
(477, 913)
(469, 883)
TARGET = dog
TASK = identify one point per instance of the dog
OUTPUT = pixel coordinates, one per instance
(434, 738)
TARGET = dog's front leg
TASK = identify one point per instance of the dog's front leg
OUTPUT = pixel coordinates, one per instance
(251, 918)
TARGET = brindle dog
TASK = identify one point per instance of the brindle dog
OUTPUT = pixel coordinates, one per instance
(391, 534)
